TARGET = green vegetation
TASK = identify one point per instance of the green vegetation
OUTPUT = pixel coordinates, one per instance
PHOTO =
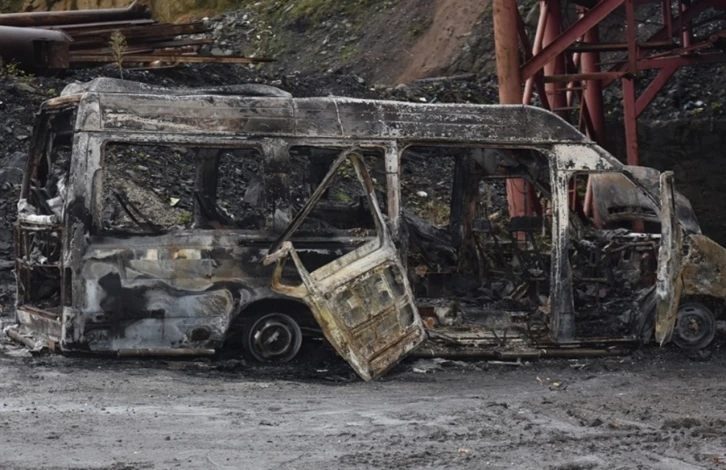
(437, 212)
(341, 196)
(347, 52)
(13, 70)
(118, 48)
(418, 26)
(184, 218)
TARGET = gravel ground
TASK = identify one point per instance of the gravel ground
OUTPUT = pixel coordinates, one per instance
(653, 410)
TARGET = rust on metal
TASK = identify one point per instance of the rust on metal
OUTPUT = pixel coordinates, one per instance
(48, 41)
(55, 18)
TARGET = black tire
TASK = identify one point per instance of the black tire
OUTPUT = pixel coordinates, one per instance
(695, 326)
(272, 338)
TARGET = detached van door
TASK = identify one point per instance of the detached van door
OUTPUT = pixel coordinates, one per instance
(362, 300)
(669, 283)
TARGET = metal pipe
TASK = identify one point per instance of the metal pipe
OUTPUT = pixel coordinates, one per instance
(536, 48)
(596, 14)
(507, 51)
(667, 19)
(54, 18)
(570, 92)
(631, 120)
(18, 338)
(631, 35)
(582, 76)
(592, 92)
(653, 88)
(556, 64)
(35, 48)
(171, 352)
(686, 27)
(506, 43)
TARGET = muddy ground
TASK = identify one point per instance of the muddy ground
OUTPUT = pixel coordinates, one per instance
(651, 410)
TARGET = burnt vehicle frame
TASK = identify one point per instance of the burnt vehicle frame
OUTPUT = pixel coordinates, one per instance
(167, 293)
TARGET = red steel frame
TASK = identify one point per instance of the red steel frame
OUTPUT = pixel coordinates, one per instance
(565, 68)
(578, 47)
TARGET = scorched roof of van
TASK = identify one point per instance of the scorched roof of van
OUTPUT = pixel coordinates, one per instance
(114, 85)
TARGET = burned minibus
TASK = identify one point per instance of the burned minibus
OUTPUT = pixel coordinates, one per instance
(159, 221)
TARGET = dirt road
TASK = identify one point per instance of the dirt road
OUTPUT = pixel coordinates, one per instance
(655, 410)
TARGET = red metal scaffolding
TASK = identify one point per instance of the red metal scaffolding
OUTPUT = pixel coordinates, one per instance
(565, 66)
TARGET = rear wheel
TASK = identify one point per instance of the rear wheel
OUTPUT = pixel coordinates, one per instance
(695, 326)
(273, 338)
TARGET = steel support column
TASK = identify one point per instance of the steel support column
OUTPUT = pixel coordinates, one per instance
(631, 120)
(592, 92)
(506, 41)
(596, 14)
(556, 65)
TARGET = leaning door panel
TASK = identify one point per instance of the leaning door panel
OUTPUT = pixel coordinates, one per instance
(669, 283)
(370, 319)
(361, 300)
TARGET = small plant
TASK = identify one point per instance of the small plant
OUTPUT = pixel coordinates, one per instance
(346, 171)
(342, 197)
(184, 218)
(437, 212)
(13, 70)
(347, 53)
(119, 46)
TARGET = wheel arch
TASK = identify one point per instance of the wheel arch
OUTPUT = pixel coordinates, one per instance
(293, 307)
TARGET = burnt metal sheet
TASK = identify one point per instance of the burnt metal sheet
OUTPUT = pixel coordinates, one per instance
(335, 118)
(362, 301)
(177, 290)
(669, 282)
(617, 199)
(41, 324)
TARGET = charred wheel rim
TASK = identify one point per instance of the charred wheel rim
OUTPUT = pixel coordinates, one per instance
(275, 338)
(695, 326)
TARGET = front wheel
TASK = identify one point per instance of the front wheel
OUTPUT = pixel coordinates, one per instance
(695, 326)
(273, 338)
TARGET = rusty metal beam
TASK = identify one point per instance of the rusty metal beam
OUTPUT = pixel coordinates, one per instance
(667, 31)
(582, 76)
(591, 46)
(631, 120)
(101, 25)
(682, 61)
(574, 32)
(653, 88)
(52, 18)
(188, 59)
(507, 51)
(152, 46)
(593, 113)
